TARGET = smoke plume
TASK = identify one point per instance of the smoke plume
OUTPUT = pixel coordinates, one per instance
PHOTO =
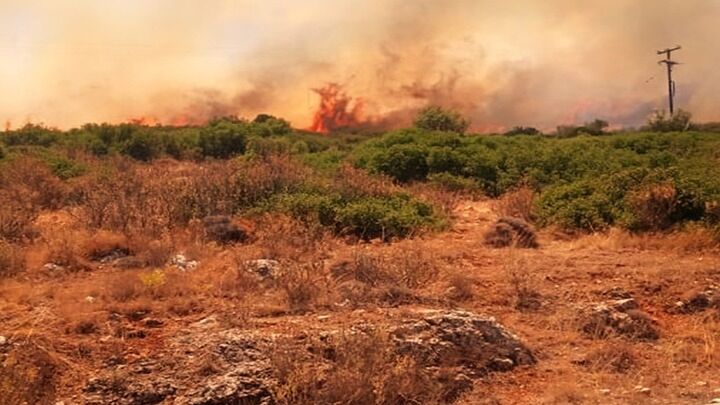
(526, 62)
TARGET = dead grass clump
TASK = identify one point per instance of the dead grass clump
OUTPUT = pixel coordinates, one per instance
(513, 232)
(354, 183)
(439, 197)
(123, 287)
(63, 250)
(105, 244)
(517, 203)
(460, 288)
(16, 219)
(523, 284)
(30, 181)
(151, 252)
(222, 229)
(304, 286)
(698, 343)
(613, 356)
(654, 206)
(352, 368)
(28, 375)
(280, 237)
(410, 268)
(12, 259)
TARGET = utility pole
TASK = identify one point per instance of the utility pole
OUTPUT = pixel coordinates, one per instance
(671, 84)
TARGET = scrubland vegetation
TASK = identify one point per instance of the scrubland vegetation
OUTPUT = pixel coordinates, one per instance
(119, 241)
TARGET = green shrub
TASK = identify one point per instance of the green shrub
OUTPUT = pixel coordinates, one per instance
(142, 145)
(434, 118)
(385, 218)
(65, 168)
(403, 162)
(451, 182)
(223, 138)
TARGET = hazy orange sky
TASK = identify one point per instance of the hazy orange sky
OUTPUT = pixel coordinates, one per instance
(503, 63)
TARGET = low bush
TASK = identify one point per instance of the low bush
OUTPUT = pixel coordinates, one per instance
(12, 259)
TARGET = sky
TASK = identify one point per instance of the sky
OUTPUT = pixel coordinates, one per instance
(501, 63)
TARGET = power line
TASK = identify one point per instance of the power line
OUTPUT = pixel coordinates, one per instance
(670, 63)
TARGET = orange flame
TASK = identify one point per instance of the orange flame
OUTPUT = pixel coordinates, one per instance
(144, 121)
(337, 110)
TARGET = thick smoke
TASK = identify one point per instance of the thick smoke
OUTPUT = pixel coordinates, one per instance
(501, 63)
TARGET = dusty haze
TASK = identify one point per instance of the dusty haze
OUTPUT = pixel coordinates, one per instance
(538, 63)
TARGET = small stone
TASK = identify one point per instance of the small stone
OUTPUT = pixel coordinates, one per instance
(642, 390)
(263, 268)
(153, 323)
(3, 341)
(323, 317)
(701, 383)
(51, 267)
(502, 364)
(604, 391)
(715, 401)
(90, 299)
(182, 263)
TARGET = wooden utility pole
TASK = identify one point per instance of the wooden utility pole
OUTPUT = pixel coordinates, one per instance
(671, 84)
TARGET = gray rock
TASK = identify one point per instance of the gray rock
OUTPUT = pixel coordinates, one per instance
(621, 317)
(476, 343)
(182, 263)
(263, 268)
(699, 301)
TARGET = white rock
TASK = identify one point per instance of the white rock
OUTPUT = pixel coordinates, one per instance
(182, 263)
(90, 299)
(604, 391)
(3, 340)
(51, 267)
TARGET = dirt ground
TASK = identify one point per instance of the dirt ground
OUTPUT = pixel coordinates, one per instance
(539, 294)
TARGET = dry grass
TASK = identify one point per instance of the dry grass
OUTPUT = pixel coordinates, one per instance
(691, 240)
(12, 259)
(523, 282)
(654, 206)
(615, 356)
(517, 203)
(352, 368)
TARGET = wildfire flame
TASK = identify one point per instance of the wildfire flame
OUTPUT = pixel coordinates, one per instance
(337, 110)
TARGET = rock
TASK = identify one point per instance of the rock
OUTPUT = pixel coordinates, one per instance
(472, 342)
(221, 229)
(89, 299)
(263, 268)
(699, 301)
(715, 401)
(511, 232)
(182, 263)
(239, 387)
(621, 317)
(604, 391)
(52, 267)
(111, 390)
(643, 390)
(205, 365)
(129, 262)
(153, 323)
(110, 255)
(616, 293)
(3, 341)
